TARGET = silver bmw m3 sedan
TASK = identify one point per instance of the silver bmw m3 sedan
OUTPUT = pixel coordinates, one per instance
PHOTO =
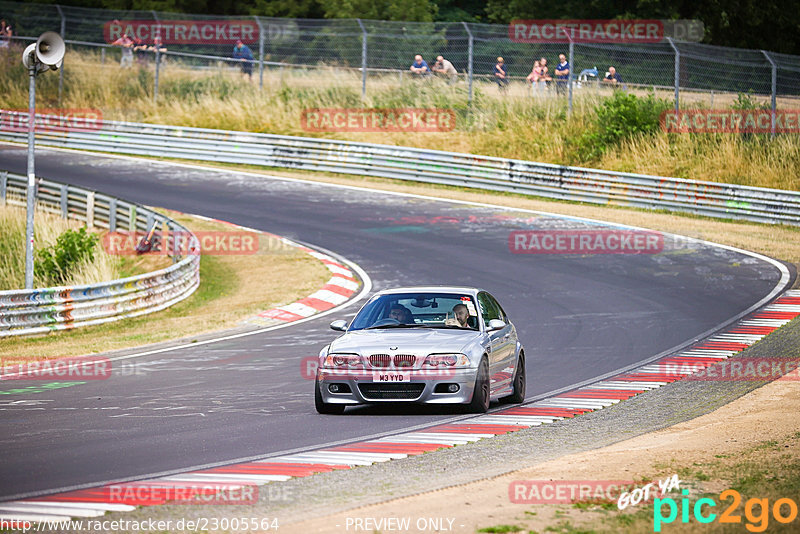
(427, 345)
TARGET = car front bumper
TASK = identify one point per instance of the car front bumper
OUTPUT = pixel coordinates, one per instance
(421, 386)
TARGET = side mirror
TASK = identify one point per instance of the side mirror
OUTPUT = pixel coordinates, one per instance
(340, 325)
(495, 324)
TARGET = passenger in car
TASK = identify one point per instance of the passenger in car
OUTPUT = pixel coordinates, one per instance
(462, 316)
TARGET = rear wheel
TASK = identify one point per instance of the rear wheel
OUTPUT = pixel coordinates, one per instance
(518, 383)
(325, 407)
(480, 395)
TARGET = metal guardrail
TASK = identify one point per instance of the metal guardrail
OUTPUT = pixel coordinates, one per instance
(712, 199)
(38, 311)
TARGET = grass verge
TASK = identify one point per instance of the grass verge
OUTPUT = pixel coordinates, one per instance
(232, 287)
(760, 475)
(102, 267)
(511, 124)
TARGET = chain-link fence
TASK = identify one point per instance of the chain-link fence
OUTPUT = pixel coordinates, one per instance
(368, 52)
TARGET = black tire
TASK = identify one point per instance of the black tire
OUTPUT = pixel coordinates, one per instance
(518, 383)
(325, 407)
(481, 393)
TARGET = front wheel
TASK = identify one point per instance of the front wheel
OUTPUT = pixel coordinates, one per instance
(480, 395)
(325, 407)
(519, 383)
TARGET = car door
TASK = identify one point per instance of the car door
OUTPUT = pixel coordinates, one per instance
(499, 341)
(509, 336)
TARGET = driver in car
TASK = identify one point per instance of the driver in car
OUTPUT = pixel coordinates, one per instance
(401, 314)
(461, 316)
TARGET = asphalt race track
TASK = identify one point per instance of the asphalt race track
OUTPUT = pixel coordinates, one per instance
(579, 316)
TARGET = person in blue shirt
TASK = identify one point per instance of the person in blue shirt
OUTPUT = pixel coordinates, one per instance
(562, 74)
(419, 67)
(612, 77)
(501, 74)
(242, 52)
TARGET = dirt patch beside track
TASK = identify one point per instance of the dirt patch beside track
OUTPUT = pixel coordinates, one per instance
(710, 453)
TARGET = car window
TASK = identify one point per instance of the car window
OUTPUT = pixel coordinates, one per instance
(419, 310)
(502, 314)
(489, 308)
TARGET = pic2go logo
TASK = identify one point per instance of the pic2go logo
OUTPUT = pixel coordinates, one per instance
(756, 511)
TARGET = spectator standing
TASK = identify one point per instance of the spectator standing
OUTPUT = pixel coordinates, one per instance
(243, 53)
(139, 50)
(444, 68)
(419, 67)
(159, 47)
(127, 50)
(501, 74)
(612, 77)
(562, 74)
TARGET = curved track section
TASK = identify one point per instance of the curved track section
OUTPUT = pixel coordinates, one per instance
(579, 316)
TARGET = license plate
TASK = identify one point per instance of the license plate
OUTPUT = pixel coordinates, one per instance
(391, 377)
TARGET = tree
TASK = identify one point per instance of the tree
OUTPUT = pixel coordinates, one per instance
(411, 10)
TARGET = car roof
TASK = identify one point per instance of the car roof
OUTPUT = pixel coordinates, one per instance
(431, 289)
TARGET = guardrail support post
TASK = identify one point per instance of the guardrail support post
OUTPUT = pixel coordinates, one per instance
(102, 56)
(132, 219)
(774, 91)
(677, 73)
(61, 70)
(165, 237)
(64, 201)
(363, 59)
(90, 210)
(112, 214)
(3, 187)
(470, 43)
(176, 237)
(260, 54)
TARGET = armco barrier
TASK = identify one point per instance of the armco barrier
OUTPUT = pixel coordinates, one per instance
(433, 166)
(60, 308)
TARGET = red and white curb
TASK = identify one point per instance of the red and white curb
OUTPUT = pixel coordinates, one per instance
(342, 286)
(336, 291)
(94, 502)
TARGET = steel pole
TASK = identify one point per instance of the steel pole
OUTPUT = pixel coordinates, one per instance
(260, 54)
(363, 59)
(773, 91)
(31, 192)
(61, 70)
(155, 78)
(569, 75)
(469, 60)
(677, 73)
(155, 81)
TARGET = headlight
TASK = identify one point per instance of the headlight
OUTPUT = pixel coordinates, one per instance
(343, 361)
(446, 360)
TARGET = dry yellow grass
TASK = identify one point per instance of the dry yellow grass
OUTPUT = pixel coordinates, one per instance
(512, 125)
(232, 288)
(48, 227)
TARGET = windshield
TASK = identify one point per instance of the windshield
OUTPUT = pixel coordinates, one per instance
(418, 310)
